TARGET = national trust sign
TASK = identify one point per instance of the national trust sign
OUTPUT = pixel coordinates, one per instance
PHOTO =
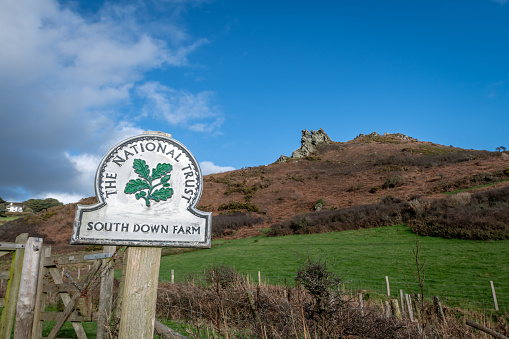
(148, 187)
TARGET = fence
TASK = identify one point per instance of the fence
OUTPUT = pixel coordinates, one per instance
(471, 293)
(32, 280)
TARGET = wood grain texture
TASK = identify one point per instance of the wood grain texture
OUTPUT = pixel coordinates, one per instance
(140, 293)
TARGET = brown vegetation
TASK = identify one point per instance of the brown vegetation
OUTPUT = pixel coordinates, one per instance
(229, 305)
(357, 174)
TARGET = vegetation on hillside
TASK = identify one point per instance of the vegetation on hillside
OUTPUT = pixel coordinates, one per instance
(37, 205)
(477, 216)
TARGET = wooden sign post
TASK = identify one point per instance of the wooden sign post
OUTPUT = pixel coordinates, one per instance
(148, 187)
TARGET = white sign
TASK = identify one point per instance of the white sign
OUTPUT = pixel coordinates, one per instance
(148, 187)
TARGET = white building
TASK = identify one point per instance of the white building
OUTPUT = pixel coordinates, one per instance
(14, 207)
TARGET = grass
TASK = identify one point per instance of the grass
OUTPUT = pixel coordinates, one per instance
(474, 187)
(67, 330)
(459, 271)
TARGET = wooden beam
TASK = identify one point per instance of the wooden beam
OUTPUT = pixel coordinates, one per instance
(140, 293)
(106, 295)
(40, 301)
(11, 295)
(65, 259)
(485, 329)
(28, 289)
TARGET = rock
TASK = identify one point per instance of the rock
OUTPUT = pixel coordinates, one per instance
(282, 158)
(309, 142)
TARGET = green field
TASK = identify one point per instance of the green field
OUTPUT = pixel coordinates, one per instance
(459, 271)
(6, 219)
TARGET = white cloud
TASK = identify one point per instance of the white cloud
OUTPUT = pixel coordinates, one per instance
(68, 84)
(208, 167)
(180, 107)
(86, 166)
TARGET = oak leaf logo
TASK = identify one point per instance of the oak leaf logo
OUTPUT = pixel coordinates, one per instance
(146, 182)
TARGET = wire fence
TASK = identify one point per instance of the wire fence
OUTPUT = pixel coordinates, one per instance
(471, 293)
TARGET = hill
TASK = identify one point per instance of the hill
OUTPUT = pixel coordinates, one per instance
(322, 175)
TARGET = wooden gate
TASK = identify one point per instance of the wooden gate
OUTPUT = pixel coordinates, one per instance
(54, 279)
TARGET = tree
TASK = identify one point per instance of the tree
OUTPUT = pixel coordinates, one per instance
(3, 205)
(37, 205)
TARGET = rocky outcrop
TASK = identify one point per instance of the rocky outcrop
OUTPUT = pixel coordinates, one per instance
(386, 134)
(308, 144)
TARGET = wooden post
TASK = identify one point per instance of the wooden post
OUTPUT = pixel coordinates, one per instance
(106, 296)
(140, 293)
(485, 329)
(11, 295)
(388, 287)
(402, 300)
(40, 302)
(120, 294)
(28, 289)
(387, 309)
(172, 276)
(259, 278)
(395, 308)
(494, 295)
(439, 309)
(409, 307)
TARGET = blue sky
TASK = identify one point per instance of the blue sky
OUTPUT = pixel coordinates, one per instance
(237, 81)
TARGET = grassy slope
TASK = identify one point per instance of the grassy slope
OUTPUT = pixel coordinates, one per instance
(457, 270)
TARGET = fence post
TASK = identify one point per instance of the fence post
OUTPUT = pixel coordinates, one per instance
(409, 307)
(40, 302)
(172, 276)
(395, 308)
(439, 309)
(11, 295)
(259, 278)
(28, 289)
(494, 295)
(140, 292)
(388, 287)
(106, 295)
(402, 300)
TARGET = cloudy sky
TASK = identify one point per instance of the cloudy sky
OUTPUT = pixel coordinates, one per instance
(237, 81)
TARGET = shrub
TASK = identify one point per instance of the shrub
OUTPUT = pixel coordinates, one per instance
(226, 224)
(484, 217)
(394, 181)
(374, 189)
(234, 205)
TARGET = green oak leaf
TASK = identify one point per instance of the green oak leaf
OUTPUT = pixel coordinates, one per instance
(141, 167)
(160, 170)
(165, 179)
(162, 194)
(134, 186)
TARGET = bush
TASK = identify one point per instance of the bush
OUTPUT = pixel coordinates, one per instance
(226, 224)
(235, 205)
(394, 181)
(479, 216)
